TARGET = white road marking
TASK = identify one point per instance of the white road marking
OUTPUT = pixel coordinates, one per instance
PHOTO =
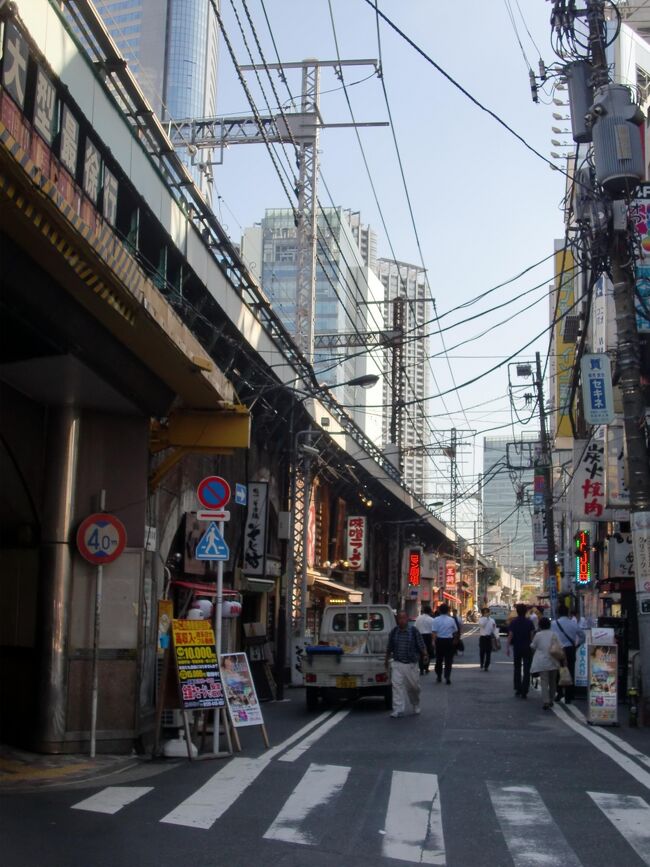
(630, 815)
(532, 837)
(203, 807)
(414, 821)
(605, 733)
(112, 799)
(311, 739)
(622, 761)
(319, 785)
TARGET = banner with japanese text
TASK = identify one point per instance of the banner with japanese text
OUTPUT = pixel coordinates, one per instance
(588, 485)
(256, 529)
(356, 542)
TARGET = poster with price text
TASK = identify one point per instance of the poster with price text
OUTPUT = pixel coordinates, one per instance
(196, 664)
(602, 695)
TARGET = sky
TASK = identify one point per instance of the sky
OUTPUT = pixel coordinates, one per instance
(485, 207)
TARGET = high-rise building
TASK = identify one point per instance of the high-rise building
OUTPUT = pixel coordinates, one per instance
(171, 47)
(349, 297)
(401, 280)
(507, 503)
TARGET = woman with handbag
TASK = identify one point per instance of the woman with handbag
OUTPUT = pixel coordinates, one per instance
(488, 638)
(547, 658)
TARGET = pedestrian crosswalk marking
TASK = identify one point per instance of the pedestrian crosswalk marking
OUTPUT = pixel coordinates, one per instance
(311, 739)
(210, 802)
(318, 786)
(630, 815)
(112, 799)
(414, 821)
(532, 836)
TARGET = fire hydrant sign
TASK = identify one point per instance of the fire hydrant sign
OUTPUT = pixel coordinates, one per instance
(101, 538)
(195, 653)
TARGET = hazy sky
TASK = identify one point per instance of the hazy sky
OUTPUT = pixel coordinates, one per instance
(485, 207)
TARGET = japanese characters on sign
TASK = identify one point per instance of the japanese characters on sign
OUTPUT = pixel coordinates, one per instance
(583, 558)
(14, 64)
(640, 216)
(597, 394)
(589, 480)
(45, 107)
(256, 528)
(450, 574)
(25, 79)
(640, 526)
(602, 703)
(414, 567)
(540, 539)
(109, 203)
(442, 571)
(356, 543)
(92, 171)
(618, 494)
(621, 556)
(69, 144)
(196, 663)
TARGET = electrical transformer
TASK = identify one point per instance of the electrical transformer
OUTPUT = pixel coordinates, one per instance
(618, 154)
(578, 76)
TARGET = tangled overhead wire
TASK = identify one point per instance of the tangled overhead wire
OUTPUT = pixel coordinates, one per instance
(570, 38)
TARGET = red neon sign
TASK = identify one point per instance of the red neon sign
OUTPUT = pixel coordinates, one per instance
(414, 568)
(583, 560)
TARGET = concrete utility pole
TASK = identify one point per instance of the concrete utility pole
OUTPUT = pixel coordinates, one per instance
(547, 469)
(628, 348)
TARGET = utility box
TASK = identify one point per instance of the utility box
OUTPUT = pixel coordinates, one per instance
(581, 96)
(618, 154)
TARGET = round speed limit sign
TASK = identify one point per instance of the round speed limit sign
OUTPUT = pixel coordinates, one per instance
(101, 538)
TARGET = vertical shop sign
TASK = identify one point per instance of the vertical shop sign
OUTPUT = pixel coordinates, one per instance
(450, 574)
(92, 170)
(621, 556)
(640, 526)
(618, 494)
(589, 480)
(44, 107)
(256, 529)
(640, 216)
(540, 540)
(109, 203)
(14, 65)
(583, 558)
(562, 301)
(597, 393)
(356, 537)
(442, 572)
(415, 567)
(69, 144)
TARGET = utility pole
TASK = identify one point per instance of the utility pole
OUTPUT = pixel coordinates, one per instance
(547, 469)
(613, 124)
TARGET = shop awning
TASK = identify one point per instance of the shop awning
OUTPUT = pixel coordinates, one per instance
(331, 587)
(452, 597)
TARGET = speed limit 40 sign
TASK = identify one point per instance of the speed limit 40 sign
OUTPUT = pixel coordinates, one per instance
(101, 538)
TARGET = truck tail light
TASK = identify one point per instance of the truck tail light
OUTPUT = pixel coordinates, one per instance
(310, 678)
(382, 677)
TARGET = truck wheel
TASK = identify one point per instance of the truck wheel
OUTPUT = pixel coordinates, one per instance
(311, 698)
(388, 697)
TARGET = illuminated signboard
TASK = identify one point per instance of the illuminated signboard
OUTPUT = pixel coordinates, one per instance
(415, 558)
(450, 574)
(583, 559)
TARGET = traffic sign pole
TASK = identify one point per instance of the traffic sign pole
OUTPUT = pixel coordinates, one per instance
(99, 579)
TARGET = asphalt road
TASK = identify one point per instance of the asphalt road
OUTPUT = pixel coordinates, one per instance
(479, 778)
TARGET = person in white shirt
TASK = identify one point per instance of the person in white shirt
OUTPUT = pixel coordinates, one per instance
(487, 631)
(423, 624)
(447, 635)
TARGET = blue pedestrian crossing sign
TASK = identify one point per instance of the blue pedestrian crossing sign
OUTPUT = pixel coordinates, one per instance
(212, 545)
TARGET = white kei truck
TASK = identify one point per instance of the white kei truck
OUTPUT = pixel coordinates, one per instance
(349, 660)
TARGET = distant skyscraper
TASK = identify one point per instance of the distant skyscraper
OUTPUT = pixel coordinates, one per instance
(171, 47)
(409, 281)
(348, 297)
(507, 530)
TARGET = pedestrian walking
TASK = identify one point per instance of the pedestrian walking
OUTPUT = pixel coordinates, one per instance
(423, 624)
(534, 616)
(570, 635)
(405, 647)
(548, 655)
(447, 635)
(487, 633)
(520, 634)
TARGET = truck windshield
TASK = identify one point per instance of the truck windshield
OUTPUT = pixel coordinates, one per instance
(357, 621)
